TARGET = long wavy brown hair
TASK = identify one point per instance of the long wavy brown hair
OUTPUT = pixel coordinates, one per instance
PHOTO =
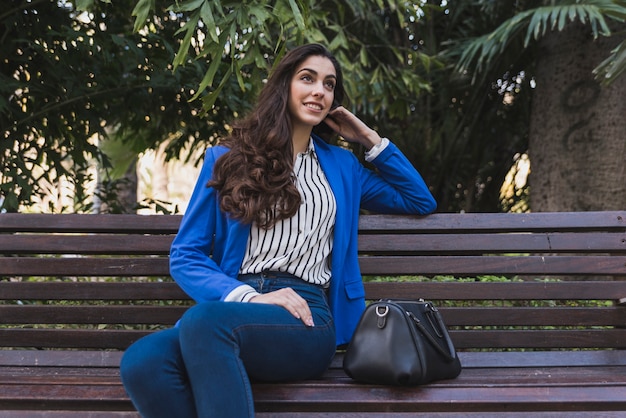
(254, 179)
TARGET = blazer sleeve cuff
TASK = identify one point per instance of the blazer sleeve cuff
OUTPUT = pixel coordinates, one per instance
(376, 150)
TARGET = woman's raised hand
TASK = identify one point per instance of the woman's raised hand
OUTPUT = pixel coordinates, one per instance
(351, 128)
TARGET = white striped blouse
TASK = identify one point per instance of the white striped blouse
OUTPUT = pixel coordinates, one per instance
(300, 245)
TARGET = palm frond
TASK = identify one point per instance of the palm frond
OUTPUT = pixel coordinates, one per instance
(479, 53)
(613, 66)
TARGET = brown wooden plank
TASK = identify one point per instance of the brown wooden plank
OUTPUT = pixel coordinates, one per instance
(126, 224)
(436, 398)
(543, 339)
(69, 414)
(498, 222)
(92, 359)
(534, 359)
(97, 359)
(547, 316)
(72, 290)
(494, 265)
(501, 339)
(86, 244)
(89, 314)
(494, 243)
(502, 389)
(69, 338)
(604, 220)
(335, 414)
(85, 266)
(339, 398)
(565, 290)
(466, 316)
(402, 244)
(454, 290)
(388, 265)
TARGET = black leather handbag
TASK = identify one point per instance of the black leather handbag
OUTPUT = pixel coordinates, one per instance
(401, 343)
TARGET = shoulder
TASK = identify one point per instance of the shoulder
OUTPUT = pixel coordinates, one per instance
(216, 151)
(213, 153)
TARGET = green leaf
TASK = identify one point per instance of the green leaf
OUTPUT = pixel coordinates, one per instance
(83, 5)
(188, 6)
(612, 67)
(189, 29)
(209, 100)
(206, 14)
(141, 11)
(297, 15)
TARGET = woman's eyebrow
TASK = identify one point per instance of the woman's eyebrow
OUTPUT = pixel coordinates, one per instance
(316, 73)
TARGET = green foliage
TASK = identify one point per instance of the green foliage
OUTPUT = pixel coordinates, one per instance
(532, 24)
(241, 39)
(70, 79)
(146, 72)
(612, 67)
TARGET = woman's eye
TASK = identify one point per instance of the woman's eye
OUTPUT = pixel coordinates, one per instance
(306, 78)
(330, 85)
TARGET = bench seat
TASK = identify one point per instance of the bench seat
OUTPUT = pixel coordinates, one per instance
(534, 303)
(591, 381)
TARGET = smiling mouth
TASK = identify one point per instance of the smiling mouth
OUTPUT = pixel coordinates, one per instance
(313, 106)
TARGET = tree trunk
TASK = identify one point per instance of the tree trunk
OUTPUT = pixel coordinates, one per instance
(577, 140)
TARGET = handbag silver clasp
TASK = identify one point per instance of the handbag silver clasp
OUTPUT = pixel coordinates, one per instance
(381, 312)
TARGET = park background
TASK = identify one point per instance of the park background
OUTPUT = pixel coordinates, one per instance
(108, 105)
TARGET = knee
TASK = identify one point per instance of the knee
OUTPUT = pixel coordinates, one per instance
(147, 358)
(135, 365)
(203, 317)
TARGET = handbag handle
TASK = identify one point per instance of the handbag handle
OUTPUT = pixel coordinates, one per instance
(449, 355)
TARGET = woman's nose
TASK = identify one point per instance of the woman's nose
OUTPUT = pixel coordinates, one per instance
(318, 90)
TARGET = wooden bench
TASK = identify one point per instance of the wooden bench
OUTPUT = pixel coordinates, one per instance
(534, 303)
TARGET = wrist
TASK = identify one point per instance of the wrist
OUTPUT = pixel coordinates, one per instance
(372, 140)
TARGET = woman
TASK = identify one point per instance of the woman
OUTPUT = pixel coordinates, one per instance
(268, 248)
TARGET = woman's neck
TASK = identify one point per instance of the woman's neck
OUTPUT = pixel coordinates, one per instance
(300, 140)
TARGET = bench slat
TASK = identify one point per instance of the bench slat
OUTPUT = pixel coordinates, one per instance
(565, 290)
(384, 265)
(120, 223)
(98, 359)
(70, 338)
(602, 242)
(85, 244)
(546, 316)
(50, 314)
(324, 397)
(81, 267)
(496, 222)
(496, 265)
(466, 316)
(71, 290)
(494, 339)
(501, 243)
(528, 339)
(453, 290)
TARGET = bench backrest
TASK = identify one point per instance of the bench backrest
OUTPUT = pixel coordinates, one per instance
(502, 281)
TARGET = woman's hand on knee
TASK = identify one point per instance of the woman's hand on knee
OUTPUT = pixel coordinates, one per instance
(290, 300)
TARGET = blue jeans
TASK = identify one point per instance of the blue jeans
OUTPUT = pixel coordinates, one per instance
(203, 367)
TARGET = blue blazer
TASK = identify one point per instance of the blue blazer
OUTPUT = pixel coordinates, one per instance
(208, 251)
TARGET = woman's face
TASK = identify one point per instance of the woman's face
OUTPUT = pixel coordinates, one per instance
(312, 91)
